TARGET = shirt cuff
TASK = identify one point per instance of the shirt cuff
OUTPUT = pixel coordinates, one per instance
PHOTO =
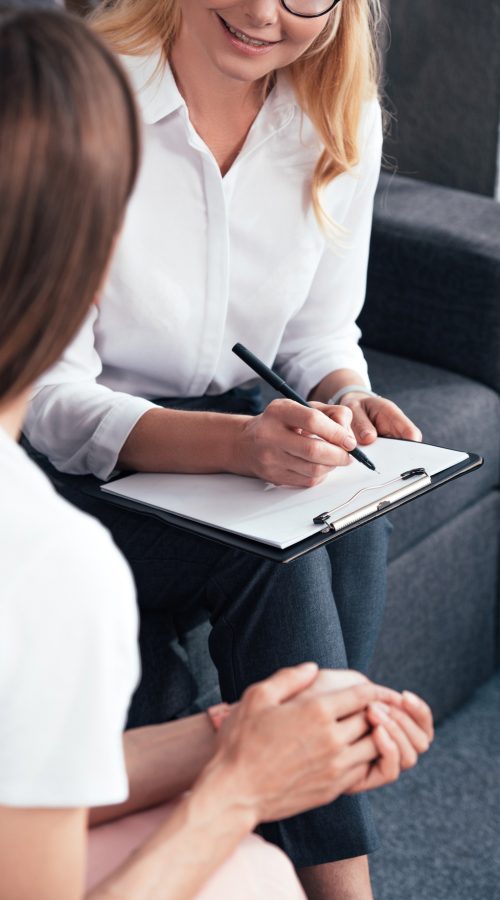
(112, 432)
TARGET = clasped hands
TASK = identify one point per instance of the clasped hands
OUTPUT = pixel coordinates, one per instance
(276, 445)
(302, 737)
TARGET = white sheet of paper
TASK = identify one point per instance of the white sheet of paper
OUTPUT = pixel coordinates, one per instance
(281, 516)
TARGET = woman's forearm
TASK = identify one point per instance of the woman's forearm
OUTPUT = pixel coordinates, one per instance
(171, 440)
(270, 446)
(162, 761)
(182, 854)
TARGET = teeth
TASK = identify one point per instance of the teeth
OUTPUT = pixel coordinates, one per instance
(245, 38)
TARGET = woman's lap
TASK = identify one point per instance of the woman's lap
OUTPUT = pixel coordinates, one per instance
(255, 870)
(264, 615)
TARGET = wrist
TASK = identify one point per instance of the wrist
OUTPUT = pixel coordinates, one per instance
(221, 435)
(240, 452)
(220, 798)
(342, 392)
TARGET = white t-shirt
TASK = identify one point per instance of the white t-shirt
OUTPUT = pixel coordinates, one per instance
(68, 646)
(204, 261)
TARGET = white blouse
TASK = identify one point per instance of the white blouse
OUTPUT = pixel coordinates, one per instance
(205, 261)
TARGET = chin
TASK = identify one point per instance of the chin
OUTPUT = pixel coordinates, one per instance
(243, 70)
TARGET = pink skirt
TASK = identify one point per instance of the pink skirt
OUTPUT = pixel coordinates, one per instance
(256, 870)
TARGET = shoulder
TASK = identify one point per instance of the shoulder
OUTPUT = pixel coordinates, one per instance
(80, 575)
(51, 551)
(369, 135)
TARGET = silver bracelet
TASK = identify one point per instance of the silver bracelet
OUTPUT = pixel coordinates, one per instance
(347, 389)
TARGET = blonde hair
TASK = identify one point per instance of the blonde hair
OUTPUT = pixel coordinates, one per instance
(332, 80)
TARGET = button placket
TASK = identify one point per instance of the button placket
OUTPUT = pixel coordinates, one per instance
(218, 192)
(217, 270)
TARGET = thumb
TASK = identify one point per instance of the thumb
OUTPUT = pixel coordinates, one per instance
(287, 683)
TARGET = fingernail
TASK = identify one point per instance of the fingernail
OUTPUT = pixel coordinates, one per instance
(386, 738)
(413, 700)
(309, 666)
(367, 433)
(349, 442)
(380, 709)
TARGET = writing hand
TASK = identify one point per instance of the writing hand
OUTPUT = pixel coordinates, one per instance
(278, 446)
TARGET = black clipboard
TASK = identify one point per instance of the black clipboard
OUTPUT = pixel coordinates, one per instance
(267, 551)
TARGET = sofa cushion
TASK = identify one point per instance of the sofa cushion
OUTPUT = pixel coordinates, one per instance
(452, 411)
(438, 634)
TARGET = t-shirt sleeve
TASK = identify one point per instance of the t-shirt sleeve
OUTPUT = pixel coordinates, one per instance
(68, 665)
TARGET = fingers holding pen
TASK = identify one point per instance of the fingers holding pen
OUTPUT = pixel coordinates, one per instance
(330, 423)
(338, 429)
(296, 445)
(341, 415)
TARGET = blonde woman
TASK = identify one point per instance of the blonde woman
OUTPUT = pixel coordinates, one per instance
(250, 221)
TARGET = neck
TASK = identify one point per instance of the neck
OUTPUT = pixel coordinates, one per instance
(12, 415)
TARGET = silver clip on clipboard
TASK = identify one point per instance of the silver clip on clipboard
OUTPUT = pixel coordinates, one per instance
(419, 479)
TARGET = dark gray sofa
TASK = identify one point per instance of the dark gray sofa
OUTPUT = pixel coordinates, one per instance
(431, 330)
(431, 326)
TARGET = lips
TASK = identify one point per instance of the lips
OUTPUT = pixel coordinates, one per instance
(244, 37)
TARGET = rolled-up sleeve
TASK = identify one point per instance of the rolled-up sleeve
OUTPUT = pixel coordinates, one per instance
(79, 424)
(323, 336)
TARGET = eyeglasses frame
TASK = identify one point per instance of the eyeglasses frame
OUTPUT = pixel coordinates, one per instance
(313, 15)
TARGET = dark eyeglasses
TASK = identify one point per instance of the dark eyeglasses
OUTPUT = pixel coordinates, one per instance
(308, 9)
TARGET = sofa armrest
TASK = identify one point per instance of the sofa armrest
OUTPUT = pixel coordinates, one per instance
(433, 292)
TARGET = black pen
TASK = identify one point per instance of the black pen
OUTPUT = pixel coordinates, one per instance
(282, 387)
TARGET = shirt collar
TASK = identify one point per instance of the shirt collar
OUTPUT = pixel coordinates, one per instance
(158, 95)
(156, 91)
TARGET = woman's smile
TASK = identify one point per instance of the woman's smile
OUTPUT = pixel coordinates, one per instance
(242, 41)
(245, 42)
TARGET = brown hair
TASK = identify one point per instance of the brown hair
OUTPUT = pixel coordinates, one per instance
(69, 153)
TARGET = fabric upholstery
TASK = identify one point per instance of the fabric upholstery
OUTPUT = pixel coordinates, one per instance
(443, 81)
(441, 820)
(438, 634)
(452, 411)
(434, 278)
